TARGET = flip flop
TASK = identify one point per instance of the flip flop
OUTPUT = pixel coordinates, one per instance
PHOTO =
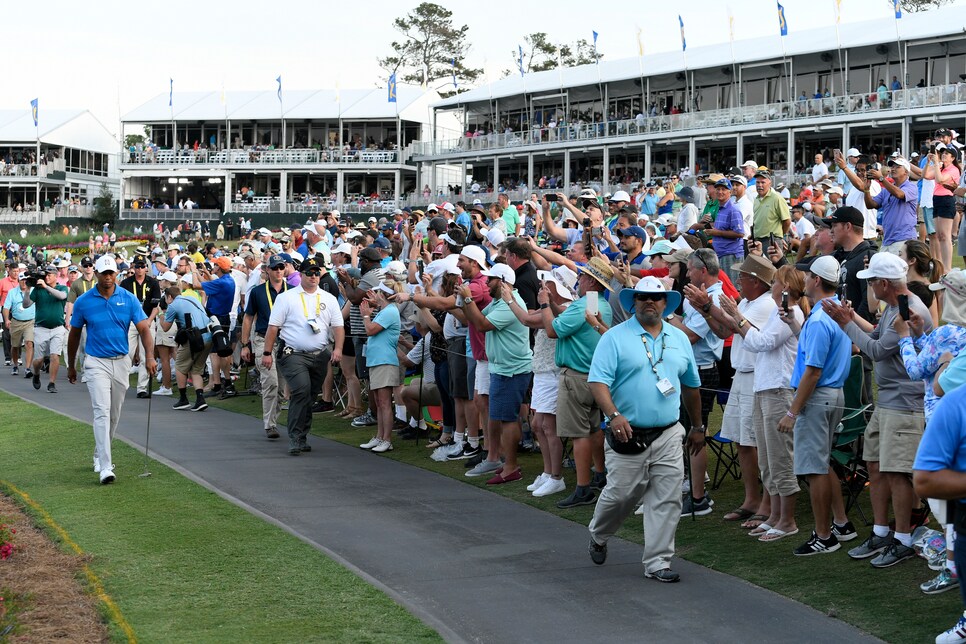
(739, 514)
(760, 530)
(775, 534)
(754, 521)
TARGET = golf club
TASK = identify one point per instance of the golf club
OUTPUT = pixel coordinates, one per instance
(147, 438)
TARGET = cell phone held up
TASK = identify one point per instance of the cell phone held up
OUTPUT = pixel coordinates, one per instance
(904, 307)
(785, 302)
(550, 196)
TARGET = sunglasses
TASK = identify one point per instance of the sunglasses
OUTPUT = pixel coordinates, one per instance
(280, 267)
(312, 273)
(650, 297)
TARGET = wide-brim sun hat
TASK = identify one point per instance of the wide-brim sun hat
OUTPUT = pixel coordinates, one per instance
(954, 304)
(650, 284)
(600, 271)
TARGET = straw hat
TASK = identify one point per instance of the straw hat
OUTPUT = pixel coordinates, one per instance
(600, 271)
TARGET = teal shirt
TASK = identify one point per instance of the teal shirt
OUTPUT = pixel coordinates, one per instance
(621, 363)
(512, 218)
(381, 348)
(955, 374)
(508, 345)
(577, 340)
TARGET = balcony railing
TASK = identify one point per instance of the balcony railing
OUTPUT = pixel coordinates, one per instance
(291, 156)
(886, 103)
(169, 214)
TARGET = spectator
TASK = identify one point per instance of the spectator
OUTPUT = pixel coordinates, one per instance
(898, 202)
(381, 360)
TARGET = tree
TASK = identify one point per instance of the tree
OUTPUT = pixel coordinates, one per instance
(912, 6)
(429, 48)
(539, 54)
(105, 208)
(134, 139)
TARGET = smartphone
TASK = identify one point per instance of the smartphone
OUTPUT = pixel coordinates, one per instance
(904, 307)
(771, 239)
(550, 196)
(836, 152)
(752, 232)
(592, 303)
(597, 231)
(785, 301)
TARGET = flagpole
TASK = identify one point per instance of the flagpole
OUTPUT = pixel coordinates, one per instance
(731, 41)
(838, 43)
(600, 85)
(782, 32)
(37, 159)
(640, 66)
(684, 51)
(897, 13)
(174, 126)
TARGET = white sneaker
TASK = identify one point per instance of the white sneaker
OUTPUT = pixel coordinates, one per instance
(163, 391)
(107, 476)
(955, 634)
(640, 510)
(371, 444)
(551, 486)
(383, 446)
(97, 465)
(537, 482)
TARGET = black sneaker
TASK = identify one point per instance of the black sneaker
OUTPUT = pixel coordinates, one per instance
(200, 405)
(665, 575)
(816, 546)
(699, 508)
(599, 482)
(476, 460)
(45, 367)
(229, 391)
(36, 380)
(52, 388)
(466, 452)
(305, 448)
(294, 451)
(183, 403)
(215, 389)
(322, 406)
(143, 394)
(844, 533)
(28, 374)
(598, 552)
(575, 499)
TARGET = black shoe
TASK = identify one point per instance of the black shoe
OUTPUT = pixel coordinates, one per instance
(14, 371)
(143, 394)
(215, 389)
(46, 366)
(468, 451)
(229, 391)
(183, 403)
(665, 575)
(52, 388)
(294, 451)
(476, 460)
(598, 552)
(599, 482)
(28, 374)
(322, 406)
(36, 380)
(575, 499)
(271, 433)
(844, 533)
(200, 405)
(817, 546)
(305, 448)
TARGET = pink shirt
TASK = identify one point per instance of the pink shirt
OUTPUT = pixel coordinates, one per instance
(949, 172)
(481, 296)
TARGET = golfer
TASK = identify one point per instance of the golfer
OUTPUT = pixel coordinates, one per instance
(107, 311)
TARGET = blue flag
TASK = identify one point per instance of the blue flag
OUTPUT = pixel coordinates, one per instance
(453, 63)
(595, 40)
(520, 60)
(279, 93)
(33, 110)
(782, 25)
(391, 89)
(895, 5)
(171, 92)
(684, 43)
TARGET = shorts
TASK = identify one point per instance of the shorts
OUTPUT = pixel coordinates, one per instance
(814, 431)
(892, 438)
(21, 331)
(348, 347)
(736, 423)
(961, 244)
(895, 247)
(927, 219)
(190, 365)
(165, 338)
(545, 387)
(482, 386)
(506, 395)
(456, 358)
(944, 207)
(384, 375)
(578, 415)
(49, 342)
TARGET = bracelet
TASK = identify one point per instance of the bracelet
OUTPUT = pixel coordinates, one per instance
(791, 415)
(544, 306)
(266, 353)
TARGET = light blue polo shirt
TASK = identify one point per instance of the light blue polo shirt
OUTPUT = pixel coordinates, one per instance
(14, 303)
(708, 349)
(822, 343)
(621, 363)
(107, 320)
(943, 446)
(577, 340)
(508, 344)
(381, 348)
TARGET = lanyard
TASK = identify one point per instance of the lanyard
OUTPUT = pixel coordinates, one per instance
(318, 305)
(87, 285)
(650, 357)
(271, 302)
(144, 290)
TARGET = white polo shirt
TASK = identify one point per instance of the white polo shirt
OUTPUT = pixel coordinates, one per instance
(294, 308)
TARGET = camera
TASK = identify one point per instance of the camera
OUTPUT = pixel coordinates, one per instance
(34, 277)
(163, 303)
(550, 196)
(586, 222)
(220, 344)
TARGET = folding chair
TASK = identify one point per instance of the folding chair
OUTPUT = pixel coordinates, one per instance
(726, 459)
(847, 445)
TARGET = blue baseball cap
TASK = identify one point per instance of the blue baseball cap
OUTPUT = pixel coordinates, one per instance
(287, 258)
(381, 243)
(276, 260)
(724, 182)
(632, 231)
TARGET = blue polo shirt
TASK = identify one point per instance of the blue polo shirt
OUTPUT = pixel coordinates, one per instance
(259, 306)
(648, 204)
(185, 304)
(14, 303)
(381, 348)
(621, 363)
(107, 320)
(577, 340)
(943, 445)
(822, 343)
(221, 294)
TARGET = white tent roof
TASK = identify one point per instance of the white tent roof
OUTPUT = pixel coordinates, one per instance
(77, 129)
(947, 21)
(296, 104)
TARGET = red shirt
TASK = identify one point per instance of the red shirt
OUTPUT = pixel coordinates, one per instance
(7, 284)
(729, 290)
(481, 296)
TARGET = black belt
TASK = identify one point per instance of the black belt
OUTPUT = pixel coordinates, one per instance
(639, 440)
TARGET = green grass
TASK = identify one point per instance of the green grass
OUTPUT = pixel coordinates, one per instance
(183, 564)
(886, 603)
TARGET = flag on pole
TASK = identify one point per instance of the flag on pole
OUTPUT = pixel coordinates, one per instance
(595, 46)
(171, 92)
(898, 9)
(33, 110)
(782, 24)
(392, 88)
(338, 98)
(520, 59)
(453, 63)
(640, 43)
(684, 43)
(838, 11)
(279, 93)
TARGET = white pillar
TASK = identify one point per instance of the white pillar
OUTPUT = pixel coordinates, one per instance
(740, 149)
(647, 161)
(605, 180)
(692, 155)
(397, 186)
(227, 180)
(282, 190)
(531, 182)
(790, 159)
(463, 179)
(904, 141)
(566, 173)
(496, 175)
(339, 188)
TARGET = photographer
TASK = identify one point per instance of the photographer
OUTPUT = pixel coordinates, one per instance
(187, 362)
(18, 316)
(222, 292)
(49, 328)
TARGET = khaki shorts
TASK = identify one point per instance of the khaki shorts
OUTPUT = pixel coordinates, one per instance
(190, 365)
(21, 331)
(384, 375)
(49, 342)
(736, 423)
(577, 413)
(892, 438)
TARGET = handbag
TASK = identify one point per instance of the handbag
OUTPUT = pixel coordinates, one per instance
(641, 438)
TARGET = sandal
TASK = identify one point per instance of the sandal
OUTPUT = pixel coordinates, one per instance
(761, 529)
(739, 514)
(439, 442)
(775, 534)
(754, 521)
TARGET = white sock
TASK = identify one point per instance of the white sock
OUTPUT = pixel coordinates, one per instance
(401, 412)
(904, 538)
(474, 441)
(458, 438)
(880, 531)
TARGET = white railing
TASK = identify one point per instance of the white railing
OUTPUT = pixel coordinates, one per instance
(292, 156)
(170, 214)
(813, 108)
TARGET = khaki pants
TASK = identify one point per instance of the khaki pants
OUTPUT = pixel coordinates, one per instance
(133, 344)
(654, 477)
(107, 382)
(269, 381)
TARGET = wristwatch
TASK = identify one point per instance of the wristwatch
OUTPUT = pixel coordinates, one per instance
(544, 306)
(701, 429)
(669, 318)
(742, 323)
(611, 417)
(706, 307)
(266, 353)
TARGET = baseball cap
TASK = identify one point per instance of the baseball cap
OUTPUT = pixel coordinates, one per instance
(899, 161)
(397, 269)
(139, 262)
(188, 279)
(275, 261)
(943, 132)
(763, 172)
(105, 264)
(848, 215)
(222, 262)
(476, 254)
(632, 231)
(620, 195)
(885, 266)
(86, 261)
(311, 264)
(739, 178)
(477, 202)
(432, 208)
(437, 224)
(264, 231)
(750, 163)
(372, 220)
(501, 271)
(370, 254)
(660, 247)
(448, 207)
(853, 152)
(723, 182)
(825, 267)
(564, 279)
(380, 243)
(495, 236)
(345, 248)
(168, 276)
(73, 269)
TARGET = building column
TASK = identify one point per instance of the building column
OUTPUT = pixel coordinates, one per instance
(531, 183)
(339, 187)
(790, 158)
(432, 180)
(419, 178)
(227, 181)
(605, 182)
(740, 147)
(463, 179)
(647, 162)
(397, 186)
(692, 155)
(846, 137)
(496, 175)
(566, 173)
(904, 141)
(120, 190)
(282, 190)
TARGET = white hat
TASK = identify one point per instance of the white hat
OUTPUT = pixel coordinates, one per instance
(900, 162)
(588, 193)
(750, 163)
(477, 202)
(168, 276)
(564, 280)
(495, 236)
(335, 213)
(649, 284)
(345, 248)
(174, 247)
(502, 271)
(61, 263)
(825, 267)
(449, 240)
(853, 152)
(237, 261)
(264, 231)
(740, 178)
(373, 220)
(296, 256)
(448, 207)
(476, 254)
(432, 206)
(836, 190)
(104, 264)
(188, 279)
(884, 266)
(620, 195)
(395, 268)
(388, 290)
(537, 208)
(807, 205)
